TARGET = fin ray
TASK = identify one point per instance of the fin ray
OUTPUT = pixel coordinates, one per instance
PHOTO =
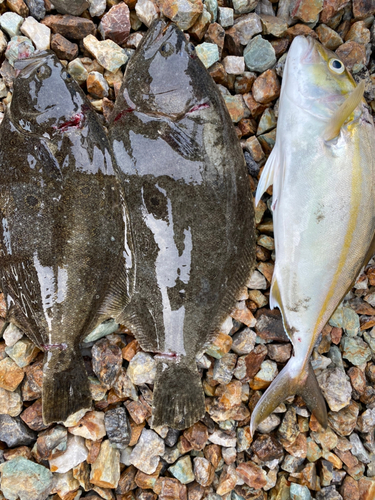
(268, 176)
(178, 396)
(337, 120)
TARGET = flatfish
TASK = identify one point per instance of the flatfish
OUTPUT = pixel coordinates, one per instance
(65, 246)
(191, 211)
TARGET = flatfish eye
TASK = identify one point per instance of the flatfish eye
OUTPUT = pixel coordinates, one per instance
(43, 72)
(155, 201)
(32, 201)
(190, 48)
(166, 49)
(336, 66)
(85, 191)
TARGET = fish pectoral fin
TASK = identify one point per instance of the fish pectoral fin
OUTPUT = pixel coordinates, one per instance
(337, 120)
(179, 140)
(268, 176)
(178, 400)
(292, 380)
(66, 387)
(118, 294)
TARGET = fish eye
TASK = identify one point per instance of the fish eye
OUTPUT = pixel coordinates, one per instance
(190, 48)
(66, 75)
(43, 71)
(166, 49)
(336, 66)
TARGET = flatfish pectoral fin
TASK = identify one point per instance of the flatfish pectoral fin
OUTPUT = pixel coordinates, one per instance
(295, 378)
(66, 387)
(179, 140)
(178, 400)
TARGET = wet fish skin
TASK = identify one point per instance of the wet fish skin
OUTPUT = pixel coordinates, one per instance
(322, 169)
(63, 261)
(191, 211)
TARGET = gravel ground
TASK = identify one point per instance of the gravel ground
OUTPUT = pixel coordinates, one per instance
(111, 452)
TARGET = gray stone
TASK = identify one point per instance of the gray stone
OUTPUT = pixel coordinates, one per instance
(291, 464)
(97, 7)
(355, 350)
(358, 449)
(183, 470)
(225, 17)
(246, 27)
(19, 47)
(25, 480)
(75, 453)
(328, 493)
(38, 33)
(259, 55)
(223, 439)
(208, 53)
(37, 8)
(73, 7)
(80, 74)
(12, 334)
(244, 341)
(118, 427)
(108, 54)
(223, 368)
(142, 369)
(14, 432)
(244, 6)
(211, 6)
(299, 492)
(257, 281)
(11, 23)
(269, 424)
(146, 454)
(336, 387)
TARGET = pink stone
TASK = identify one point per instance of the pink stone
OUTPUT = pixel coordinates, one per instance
(115, 25)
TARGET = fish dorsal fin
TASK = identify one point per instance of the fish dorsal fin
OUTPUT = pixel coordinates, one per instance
(338, 118)
(269, 174)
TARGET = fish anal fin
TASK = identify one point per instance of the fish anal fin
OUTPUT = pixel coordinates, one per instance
(295, 378)
(118, 294)
(268, 175)
(338, 118)
(137, 317)
(65, 385)
(178, 400)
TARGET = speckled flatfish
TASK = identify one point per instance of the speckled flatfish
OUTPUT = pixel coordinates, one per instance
(191, 212)
(65, 254)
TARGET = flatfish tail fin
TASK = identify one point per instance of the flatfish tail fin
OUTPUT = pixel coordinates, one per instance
(178, 400)
(65, 384)
(293, 379)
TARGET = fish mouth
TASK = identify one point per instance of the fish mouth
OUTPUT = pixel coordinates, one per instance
(75, 122)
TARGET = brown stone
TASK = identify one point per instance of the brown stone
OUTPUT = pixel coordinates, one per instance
(212, 453)
(270, 326)
(279, 352)
(244, 82)
(252, 145)
(32, 416)
(349, 489)
(366, 488)
(363, 8)
(253, 475)
(227, 481)
(232, 42)
(94, 449)
(136, 432)
(336, 334)
(138, 411)
(328, 37)
(127, 481)
(288, 431)
(170, 489)
(352, 54)
(63, 48)
(358, 380)
(307, 10)
(253, 360)
(358, 33)
(82, 474)
(18, 6)
(266, 87)
(280, 46)
(11, 375)
(300, 29)
(21, 451)
(344, 421)
(199, 28)
(230, 395)
(147, 481)
(347, 457)
(267, 448)
(72, 27)
(256, 109)
(183, 14)
(243, 315)
(106, 361)
(215, 34)
(195, 491)
(197, 435)
(130, 350)
(298, 449)
(331, 8)
(115, 24)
